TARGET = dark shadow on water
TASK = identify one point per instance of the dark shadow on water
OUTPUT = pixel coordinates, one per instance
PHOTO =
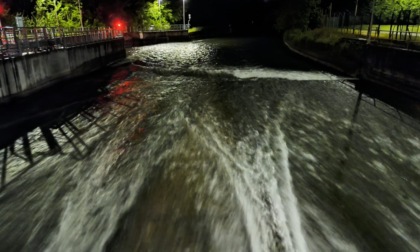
(402, 105)
(51, 112)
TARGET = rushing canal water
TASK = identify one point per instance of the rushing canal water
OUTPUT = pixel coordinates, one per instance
(217, 145)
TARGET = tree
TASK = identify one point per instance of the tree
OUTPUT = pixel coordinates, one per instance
(392, 8)
(6, 19)
(302, 14)
(155, 15)
(56, 13)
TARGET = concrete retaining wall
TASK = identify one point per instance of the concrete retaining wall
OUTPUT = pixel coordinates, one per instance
(24, 74)
(394, 68)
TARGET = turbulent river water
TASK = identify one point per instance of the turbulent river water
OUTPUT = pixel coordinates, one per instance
(216, 145)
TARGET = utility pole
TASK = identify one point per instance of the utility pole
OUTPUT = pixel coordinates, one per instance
(81, 16)
(369, 39)
(355, 8)
(331, 6)
(57, 23)
(160, 15)
(183, 14)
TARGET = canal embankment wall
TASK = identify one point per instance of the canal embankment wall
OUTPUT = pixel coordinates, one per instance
(395, 68)
(22, 75)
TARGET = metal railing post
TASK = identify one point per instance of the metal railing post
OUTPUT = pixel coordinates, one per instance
(63, 38)
(44, 30)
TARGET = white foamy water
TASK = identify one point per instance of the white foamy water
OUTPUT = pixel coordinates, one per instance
(263, 190)
(266, 73)
(226, 165)
(104, 189)
(287, 75)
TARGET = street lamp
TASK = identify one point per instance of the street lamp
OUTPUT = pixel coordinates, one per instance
(183, 14)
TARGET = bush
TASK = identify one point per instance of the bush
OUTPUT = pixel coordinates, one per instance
(319, 36)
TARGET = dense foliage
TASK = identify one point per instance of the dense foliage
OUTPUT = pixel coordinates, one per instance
(148, 14)
(154, 16)
(388, 9)
(301, 14)
(55, 13)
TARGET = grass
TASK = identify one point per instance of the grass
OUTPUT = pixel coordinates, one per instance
(195, 29)
(333, 38)
(387, 27)
(325, 36)
(384, 31)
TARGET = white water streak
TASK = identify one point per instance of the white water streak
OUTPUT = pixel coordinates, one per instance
(257, 182)
(267, 73)
(291, 204)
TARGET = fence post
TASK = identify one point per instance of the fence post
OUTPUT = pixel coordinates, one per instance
(63, 38)
(17, 41)
(44, 33)
(25, 42)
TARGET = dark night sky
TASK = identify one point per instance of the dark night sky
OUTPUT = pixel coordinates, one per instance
(204, 12)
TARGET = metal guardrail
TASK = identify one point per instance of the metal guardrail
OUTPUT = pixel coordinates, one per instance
(179, 27)
(172, 27)
(20, 41)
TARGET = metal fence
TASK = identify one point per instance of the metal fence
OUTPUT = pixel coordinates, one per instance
(19, 41)
(179, 27)
(172, 27)
(390, 30)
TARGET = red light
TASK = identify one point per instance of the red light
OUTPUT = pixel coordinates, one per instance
(117, 24)
(1, 9)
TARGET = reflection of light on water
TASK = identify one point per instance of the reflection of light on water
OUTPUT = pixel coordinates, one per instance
(174, 54)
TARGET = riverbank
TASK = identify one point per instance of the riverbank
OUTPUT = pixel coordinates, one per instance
(389, 67)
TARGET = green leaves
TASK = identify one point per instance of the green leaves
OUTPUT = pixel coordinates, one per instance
(301, 14)
(388, 8)
(56, 13)
(156, 16)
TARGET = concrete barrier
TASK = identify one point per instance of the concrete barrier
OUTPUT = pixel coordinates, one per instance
(24, 74)
(394, 68)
